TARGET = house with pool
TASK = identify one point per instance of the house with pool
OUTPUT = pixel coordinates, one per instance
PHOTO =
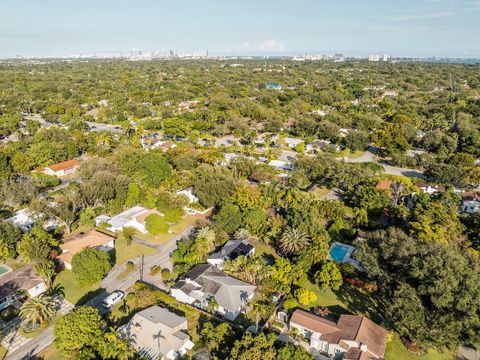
(344, 254)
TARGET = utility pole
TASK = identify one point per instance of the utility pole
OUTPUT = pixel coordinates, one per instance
(141, 268)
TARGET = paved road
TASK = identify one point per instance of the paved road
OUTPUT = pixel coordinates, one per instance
(109, 284)
(369, 156)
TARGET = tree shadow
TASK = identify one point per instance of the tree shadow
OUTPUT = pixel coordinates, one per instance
(89, 297)
(361, 301)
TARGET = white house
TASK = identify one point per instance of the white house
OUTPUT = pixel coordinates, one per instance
(188, 193)
(230, 251)
(352, 337)
(15, 285)
(281, 165)
(134, 217)
(204, 282)
(61, 169)
(157, 333)
(292, 142)
(429, 189)
(25, 220)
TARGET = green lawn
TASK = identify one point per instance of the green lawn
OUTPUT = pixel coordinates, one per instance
(262, 248)
(51, 353)
(320, 192)
(327, 299)
(174, 230)
(356, 154)
(73, 291)
(123, 253)
(396, 351)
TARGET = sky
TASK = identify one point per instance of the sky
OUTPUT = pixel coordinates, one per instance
(424, 28)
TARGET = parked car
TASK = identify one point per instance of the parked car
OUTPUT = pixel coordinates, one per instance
(113, 299)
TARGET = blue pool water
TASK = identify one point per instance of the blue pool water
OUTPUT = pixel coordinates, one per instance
(338, 252)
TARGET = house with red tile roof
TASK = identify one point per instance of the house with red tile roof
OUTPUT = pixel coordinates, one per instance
(352, 337)
(92, 239)
(60, 169)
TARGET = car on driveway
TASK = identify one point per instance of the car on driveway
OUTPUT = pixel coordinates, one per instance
(113, 299)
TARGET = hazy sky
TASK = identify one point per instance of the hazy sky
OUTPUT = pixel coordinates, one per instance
(353, 27)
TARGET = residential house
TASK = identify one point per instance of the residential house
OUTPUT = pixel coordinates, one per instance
(15, 285)
(352, 337)
(61, 169)
(157, 333)
(204, 282)
(281, 165)
(343, 132)
(134, 217)
(188, 193)
(92, 239)
(470, 203)
(292, 142)
(230, 251)
(429, 189)
(317, 145)
(25, 220)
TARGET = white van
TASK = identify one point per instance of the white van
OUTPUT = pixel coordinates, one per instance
(112, 299)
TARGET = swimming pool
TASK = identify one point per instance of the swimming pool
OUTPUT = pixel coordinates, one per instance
(339, 252)
(4, 269)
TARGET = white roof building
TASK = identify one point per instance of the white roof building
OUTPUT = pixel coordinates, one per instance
(157, 333)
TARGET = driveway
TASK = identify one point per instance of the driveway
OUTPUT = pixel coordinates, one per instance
(109, 284)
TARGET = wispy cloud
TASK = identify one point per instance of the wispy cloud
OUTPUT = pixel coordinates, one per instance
(414, 17)
(266, 46)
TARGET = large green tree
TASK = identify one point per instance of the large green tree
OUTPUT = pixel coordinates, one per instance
(90, 266)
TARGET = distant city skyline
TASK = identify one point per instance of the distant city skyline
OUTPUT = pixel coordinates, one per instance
(411, 28)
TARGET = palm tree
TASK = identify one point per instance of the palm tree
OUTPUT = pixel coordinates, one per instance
(38, 310)
(360, 215)
(293, 241)
(242, 234)
(207, 234)
(261, 310)
(212, 305)
(128, 234)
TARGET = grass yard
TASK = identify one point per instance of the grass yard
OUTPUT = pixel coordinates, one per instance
(51, 353)
(15, 264)
(123, 253)
(320, 192)
(73, 291)
(356, 154)
(261, 248)
(397, 351)
(175, 230)
(327, 299)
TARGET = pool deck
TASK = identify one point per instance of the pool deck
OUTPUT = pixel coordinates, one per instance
(348, 255)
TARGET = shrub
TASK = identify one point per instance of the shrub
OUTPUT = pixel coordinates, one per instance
(166, 275)
(155, 224)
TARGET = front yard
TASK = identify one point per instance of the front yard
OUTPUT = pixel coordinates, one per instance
(175, 230)
(73, 291)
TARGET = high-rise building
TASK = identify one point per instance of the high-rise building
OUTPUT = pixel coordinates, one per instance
(385, 57)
